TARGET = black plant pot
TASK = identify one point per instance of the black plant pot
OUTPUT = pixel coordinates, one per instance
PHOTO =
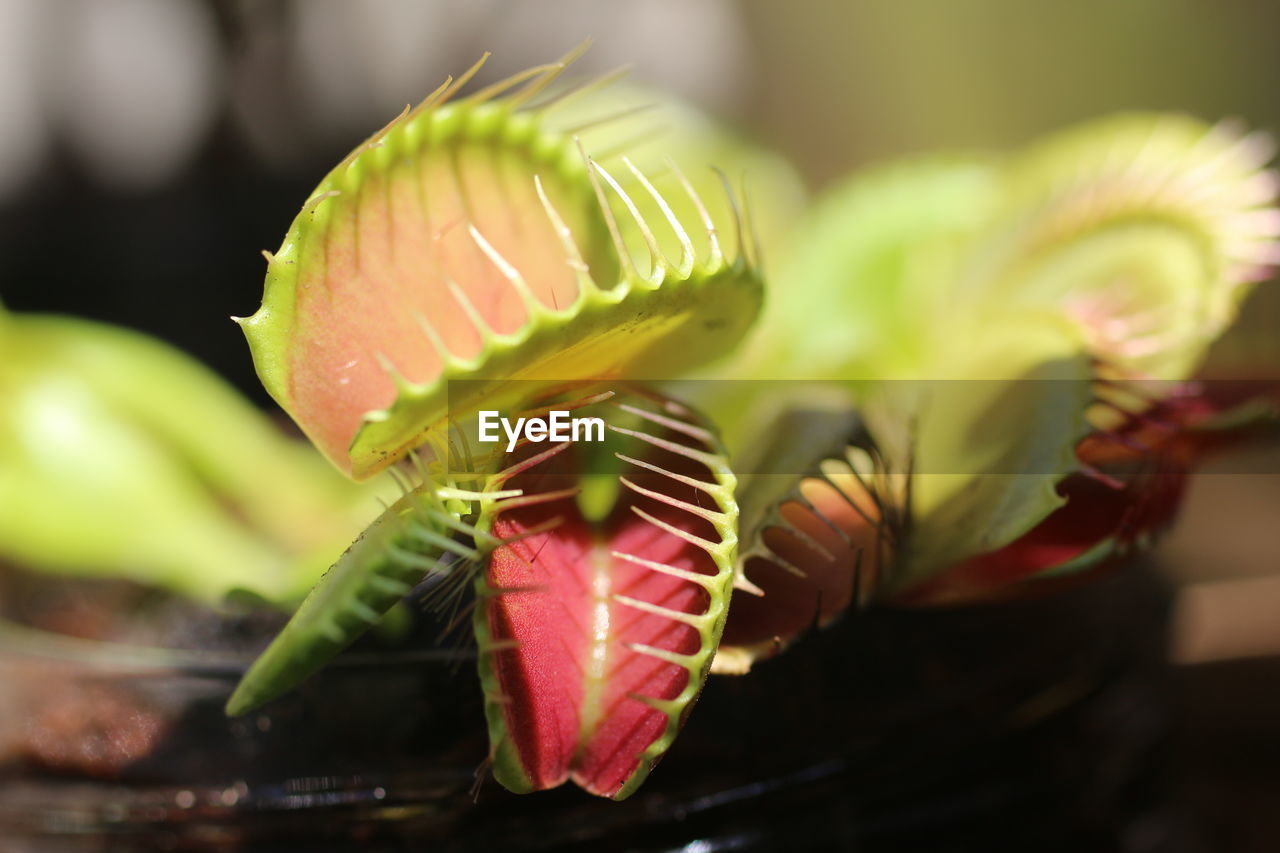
(1031, 725)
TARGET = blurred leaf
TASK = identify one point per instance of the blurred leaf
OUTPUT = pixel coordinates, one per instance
(1145, 230)
(867, 278)
(988, 445)
(120, 455)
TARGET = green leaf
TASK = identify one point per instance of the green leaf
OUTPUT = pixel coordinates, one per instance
(864, 285)
(420, 534)
(989, 445)
(120, 455)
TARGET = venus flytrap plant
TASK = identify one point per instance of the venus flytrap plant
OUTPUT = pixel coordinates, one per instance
(1145, 230)
(977, 325)
(993, 354)
(471, 256)
(1065, 280)
(628, 658)
(466, 240)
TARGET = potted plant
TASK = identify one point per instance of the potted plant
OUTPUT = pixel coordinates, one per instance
(969, 386)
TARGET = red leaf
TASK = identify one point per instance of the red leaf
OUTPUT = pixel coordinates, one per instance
(596, 637)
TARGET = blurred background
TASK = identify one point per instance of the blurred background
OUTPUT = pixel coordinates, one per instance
(150, 149)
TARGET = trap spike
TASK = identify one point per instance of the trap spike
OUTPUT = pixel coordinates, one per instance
(453, 87)
(692, 619)
(709, 547)
(586, 87)
(715, 252)
(607, 118)
(709, 488)
(509, 272)
(709, 514)
(538, 498)
(525, 464)
(685, 265)
(676, 658)
(473, 314)
(684, 427)
(688, 452)
(674, 571)
(752, 245)
(493, 90)
(625, 261)
(555, 69)
(433, 336)
(573, 255)
(737, 212)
